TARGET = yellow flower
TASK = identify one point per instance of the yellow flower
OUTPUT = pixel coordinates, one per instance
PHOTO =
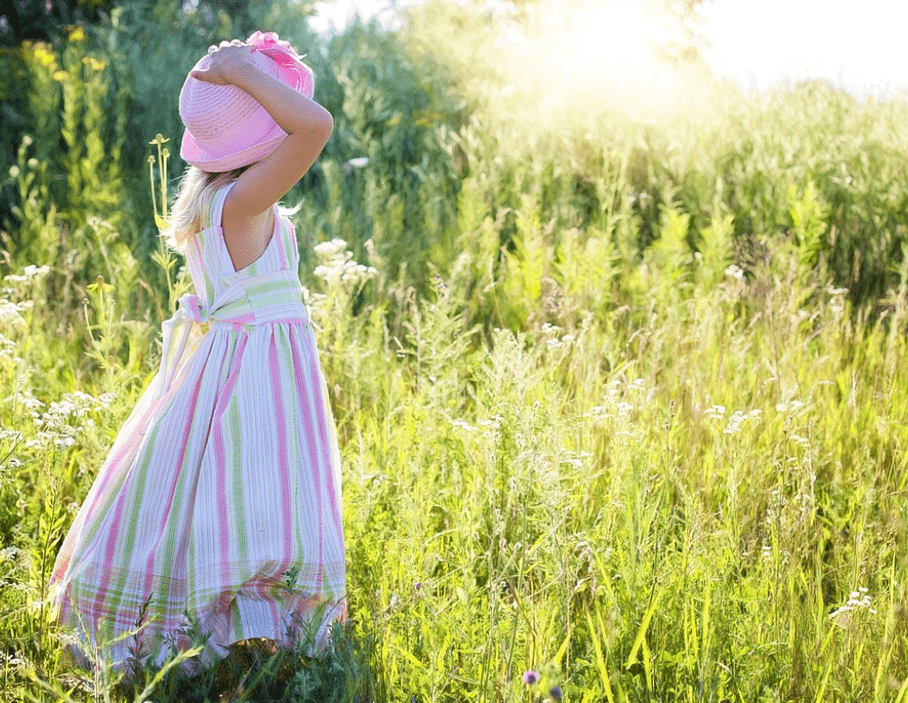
(100, 285)
(96, 64)
(44, 57)
(60, 76)
(78, 34)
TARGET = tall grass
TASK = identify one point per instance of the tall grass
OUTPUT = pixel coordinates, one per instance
(620, 401)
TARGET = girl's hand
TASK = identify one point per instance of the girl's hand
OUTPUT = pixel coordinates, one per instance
(225, 60)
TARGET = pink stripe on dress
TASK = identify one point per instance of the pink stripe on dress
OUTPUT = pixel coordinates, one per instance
(284, 468)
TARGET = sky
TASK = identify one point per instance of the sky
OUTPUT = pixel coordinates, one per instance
(857, 44)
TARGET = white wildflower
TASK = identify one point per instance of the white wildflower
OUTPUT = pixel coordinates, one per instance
(735, 272)
(11, 313)
(462, 424)
(328, 250)
(494, 421)
(739, 417)
(715, 412)
(14, 435)
(29, 272)
(857, 600)
(735, 422)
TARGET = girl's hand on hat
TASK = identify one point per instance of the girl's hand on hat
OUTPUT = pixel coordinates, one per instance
(225, 60)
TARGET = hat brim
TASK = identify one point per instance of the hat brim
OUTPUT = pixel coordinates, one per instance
(192, 153)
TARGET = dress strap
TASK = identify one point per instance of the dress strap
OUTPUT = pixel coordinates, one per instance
(216, 209)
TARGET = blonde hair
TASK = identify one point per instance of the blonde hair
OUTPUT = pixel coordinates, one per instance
(192, 199)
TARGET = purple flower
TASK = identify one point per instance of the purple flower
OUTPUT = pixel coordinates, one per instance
(530, 677)
(555, 693)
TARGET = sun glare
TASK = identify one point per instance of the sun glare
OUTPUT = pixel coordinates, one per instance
(583, 56)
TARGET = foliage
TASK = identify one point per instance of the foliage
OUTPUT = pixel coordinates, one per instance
(620, 400)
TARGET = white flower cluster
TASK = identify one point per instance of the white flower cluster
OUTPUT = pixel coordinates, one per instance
(463, 425)
(553, 341)
(55, 424)
(857, 600)
(789, 408)
(737, 420)
(837, 298)
(734, 271)
(489, 425)
(715, 412)
(14, 435)
(11, 313)
(26, 399)
(573, 458)
(616, 403)
(7, 346)
(337, 266)
(28, 273)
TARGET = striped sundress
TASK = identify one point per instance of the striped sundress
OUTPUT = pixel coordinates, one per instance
(218, 508)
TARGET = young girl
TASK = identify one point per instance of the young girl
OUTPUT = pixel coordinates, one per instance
(217, 510)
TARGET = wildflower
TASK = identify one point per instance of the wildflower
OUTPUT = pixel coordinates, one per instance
(737, 420)
(555, 693)
(44, 57)
(328, 250)
(94, 64)
(857, 600)
(463, 425)
(715, 412)
(530, 678)
(358, 162)
(735, 272)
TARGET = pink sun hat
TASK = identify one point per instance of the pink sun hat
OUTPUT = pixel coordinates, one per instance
(227, 128)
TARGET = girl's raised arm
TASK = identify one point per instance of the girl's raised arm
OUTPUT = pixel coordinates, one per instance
(308, 126)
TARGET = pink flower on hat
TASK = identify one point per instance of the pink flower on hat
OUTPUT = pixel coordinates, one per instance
(283, 53)
(264, 40)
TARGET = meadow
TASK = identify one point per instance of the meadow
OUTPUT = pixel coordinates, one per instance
(621, 384)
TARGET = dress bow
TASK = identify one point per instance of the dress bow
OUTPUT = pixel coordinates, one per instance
(193, 309)
(180, 336)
